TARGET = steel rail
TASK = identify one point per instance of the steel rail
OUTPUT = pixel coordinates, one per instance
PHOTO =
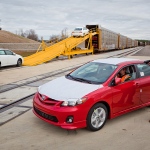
(50, 74)
(15, 103)
(10, 105)
(46, 75)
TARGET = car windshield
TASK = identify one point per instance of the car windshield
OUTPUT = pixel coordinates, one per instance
(92, 72)
(78, 29)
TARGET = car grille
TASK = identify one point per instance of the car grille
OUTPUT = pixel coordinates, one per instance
(48, 101)
(46, 116)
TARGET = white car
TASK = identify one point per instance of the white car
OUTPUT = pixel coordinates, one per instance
(8, 58)
(80, 31)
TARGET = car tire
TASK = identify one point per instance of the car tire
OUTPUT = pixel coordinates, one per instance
(97, 117)
(19, 63)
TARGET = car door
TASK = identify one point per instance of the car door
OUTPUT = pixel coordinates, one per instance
(144, 73)
(3, 58)
(12, 59)
(127, 94)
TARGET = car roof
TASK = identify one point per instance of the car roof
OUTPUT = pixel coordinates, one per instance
(79, 27)
(117, 61)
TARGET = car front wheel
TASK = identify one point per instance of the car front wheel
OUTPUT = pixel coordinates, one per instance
(97, 117)
(19, 62)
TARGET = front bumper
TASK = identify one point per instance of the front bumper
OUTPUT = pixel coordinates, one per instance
(57, 115)
(77, 34)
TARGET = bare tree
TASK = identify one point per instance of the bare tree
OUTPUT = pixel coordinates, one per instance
(28, 34)
(64, 33)
(22, 33)
(32, 35)
(0, 25)
(54, 38)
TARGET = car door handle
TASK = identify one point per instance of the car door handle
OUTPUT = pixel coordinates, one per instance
(137, 84)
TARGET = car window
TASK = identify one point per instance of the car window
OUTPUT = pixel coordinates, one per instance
(78, 29)
(94, 72)
(8, 52)
(127, 73)
(132, 72)
(144, 70)
(2, 52)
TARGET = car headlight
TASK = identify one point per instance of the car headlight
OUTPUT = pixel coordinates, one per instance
(74, 102)
(39, 88)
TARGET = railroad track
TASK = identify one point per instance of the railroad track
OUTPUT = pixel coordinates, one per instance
(15, 108)
(50, 74)
(24, 103)
(126, 53)
(62, 58)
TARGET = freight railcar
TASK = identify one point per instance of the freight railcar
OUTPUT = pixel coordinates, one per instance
(129, 42)
(133, 43)
(136, 43)
(122, 41)
(109, 40)
(105, 40)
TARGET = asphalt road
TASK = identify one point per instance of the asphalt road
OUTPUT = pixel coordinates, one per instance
(144, 52)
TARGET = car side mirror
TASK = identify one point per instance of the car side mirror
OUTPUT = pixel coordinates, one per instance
(117, 81)
(14, 53)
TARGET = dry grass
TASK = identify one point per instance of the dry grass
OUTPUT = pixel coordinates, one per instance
(8, 37)
(25, 53)
(18, 44)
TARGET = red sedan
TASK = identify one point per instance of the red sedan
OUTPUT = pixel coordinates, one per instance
(99, 90)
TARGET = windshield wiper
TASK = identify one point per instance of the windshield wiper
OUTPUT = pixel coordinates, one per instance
(68, 75)
(79, 79)
(83, 80)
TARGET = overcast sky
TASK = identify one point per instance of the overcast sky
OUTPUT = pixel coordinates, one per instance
(49, 17)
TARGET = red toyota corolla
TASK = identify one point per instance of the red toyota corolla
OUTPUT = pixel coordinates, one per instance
(93, 93)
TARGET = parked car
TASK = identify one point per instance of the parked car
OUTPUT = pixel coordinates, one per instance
(80, 31)
(93, 93)
(8, 58)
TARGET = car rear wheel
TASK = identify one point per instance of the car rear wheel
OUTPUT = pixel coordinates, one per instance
(97, 117)
(19, 62)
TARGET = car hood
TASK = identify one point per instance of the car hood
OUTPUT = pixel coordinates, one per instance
(64, 89)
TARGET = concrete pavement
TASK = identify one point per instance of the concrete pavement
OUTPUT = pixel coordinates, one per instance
(27, 132)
